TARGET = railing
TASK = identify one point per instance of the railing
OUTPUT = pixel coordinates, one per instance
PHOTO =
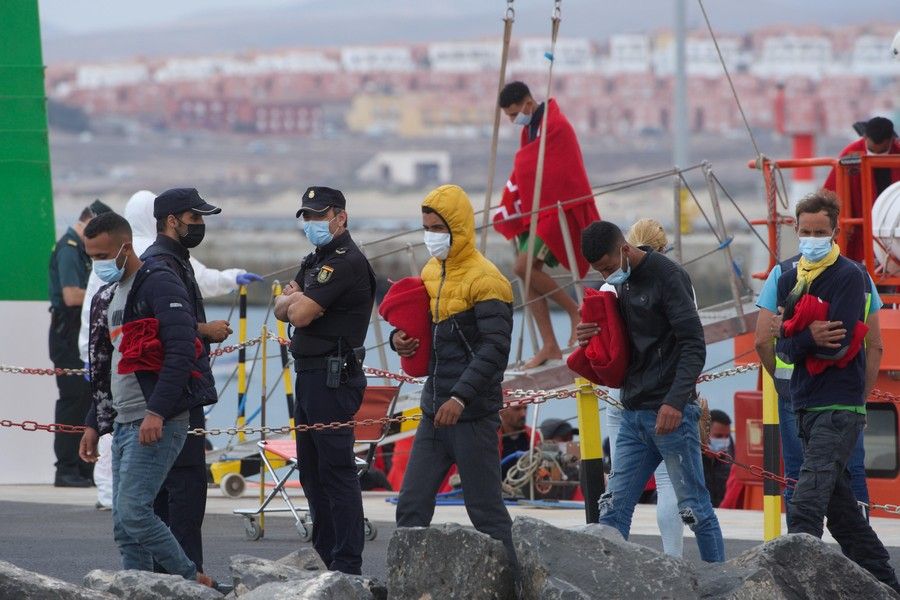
(848, 221)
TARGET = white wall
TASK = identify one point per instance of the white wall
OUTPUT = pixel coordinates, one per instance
(25, 457)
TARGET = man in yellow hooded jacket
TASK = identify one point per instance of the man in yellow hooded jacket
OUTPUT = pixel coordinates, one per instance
(471, 314)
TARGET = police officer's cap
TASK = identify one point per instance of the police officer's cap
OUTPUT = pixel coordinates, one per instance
(180, 200)
(319, 199)
(98, 208)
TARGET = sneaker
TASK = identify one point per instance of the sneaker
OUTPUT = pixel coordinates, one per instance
(71, 481)
(100, 506)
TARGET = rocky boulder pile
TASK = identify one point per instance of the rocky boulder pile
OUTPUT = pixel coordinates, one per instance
(594, 561)
(452, 562)
(300, 575)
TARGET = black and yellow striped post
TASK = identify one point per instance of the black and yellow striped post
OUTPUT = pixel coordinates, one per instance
(242, 362)
(771, 459)
(593, 483)
(286, 377)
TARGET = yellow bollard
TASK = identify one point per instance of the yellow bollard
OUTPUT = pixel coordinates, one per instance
(593, 483)
(771, 460)
(286, 374)
(242, 362)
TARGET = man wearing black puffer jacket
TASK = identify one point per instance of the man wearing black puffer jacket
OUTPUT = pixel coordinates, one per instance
(148, 370)
(471, 317)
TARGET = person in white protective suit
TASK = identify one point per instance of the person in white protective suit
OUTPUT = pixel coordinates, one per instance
(212, 282)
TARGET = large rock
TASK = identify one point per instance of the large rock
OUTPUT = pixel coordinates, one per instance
(326, 586)
(373, 586)
(25, 585)
(447, 562)
(594, 562)
(250, 572)
(305, 559)
(800, 566)
(144, 585)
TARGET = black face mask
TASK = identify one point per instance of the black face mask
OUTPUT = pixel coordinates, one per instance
(194, 235)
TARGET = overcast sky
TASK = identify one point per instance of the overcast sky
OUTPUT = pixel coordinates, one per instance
(85, 16)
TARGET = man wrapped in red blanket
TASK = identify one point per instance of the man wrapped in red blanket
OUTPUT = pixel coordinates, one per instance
(565, 182)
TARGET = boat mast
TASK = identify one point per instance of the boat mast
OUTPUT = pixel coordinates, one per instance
(679, 125)
(680, 129)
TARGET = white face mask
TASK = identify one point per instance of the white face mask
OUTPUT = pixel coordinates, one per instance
(438, 244)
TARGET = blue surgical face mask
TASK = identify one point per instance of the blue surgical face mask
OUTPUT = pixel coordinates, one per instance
(318, 232)
(108, 270)
(620, 276)
(718, 444)
(815, 248)
(522, 119)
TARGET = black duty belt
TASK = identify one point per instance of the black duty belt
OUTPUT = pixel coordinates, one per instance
(312, 363)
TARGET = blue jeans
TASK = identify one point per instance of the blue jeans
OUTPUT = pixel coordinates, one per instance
(792, 454)
(639, 450)
(138, 475)
(671, 528)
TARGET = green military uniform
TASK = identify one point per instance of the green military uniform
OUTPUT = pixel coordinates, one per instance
(70, 266)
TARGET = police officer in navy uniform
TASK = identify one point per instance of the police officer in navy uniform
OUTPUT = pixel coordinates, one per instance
(181, 503)
(70, 267)
(329, 303)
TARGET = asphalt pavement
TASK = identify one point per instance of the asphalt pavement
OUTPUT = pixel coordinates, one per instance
(67, 541)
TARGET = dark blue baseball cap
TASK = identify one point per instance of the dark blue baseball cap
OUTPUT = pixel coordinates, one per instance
(180, 200)
(319, 199)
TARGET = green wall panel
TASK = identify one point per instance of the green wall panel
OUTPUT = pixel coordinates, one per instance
(26, 193)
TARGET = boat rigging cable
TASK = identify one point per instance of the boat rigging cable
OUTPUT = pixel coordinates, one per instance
(555, 18)
(760, 158)
(508, 21)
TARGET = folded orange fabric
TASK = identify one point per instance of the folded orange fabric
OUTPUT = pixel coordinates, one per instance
(605, 359)
(406, 306)
(141, 349)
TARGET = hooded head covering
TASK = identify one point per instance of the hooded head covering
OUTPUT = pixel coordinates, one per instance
(139, 214)
(465, 277)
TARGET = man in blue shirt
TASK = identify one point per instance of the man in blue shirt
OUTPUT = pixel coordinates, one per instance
(791, 448)
(830, 403)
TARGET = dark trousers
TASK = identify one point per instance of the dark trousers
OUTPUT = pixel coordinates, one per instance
(181, 502)
(823, 490)
(327, 468)
(472, 446)
(74, 391)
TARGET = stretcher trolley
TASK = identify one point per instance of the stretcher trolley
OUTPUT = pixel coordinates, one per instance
(378, 402)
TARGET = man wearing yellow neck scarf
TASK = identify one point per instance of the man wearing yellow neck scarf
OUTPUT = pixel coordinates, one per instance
(830, 406)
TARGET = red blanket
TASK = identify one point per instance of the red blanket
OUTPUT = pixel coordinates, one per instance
(811, 308)
(565, 179)
(406, 307)
(605, 359)
(141, 349)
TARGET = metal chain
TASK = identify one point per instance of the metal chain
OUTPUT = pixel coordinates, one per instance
(58, 371)
(738, 370)
(789, 482)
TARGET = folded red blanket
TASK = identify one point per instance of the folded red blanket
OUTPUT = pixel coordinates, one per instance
(141, 349)
(406, 306)
(812, 308)
(605, 359)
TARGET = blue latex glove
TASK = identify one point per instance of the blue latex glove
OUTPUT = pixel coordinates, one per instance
(246, 278)
(87, 374)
